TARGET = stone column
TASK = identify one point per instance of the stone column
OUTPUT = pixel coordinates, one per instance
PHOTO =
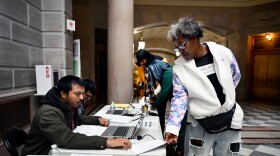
(120, 50)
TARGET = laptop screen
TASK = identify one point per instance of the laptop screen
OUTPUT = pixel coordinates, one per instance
(139, 124)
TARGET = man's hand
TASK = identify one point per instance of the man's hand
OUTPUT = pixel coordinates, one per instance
(170, 138)
(103, 121)
(124, 143)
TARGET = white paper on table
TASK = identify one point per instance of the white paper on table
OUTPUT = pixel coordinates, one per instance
(146, 146)
(90, 130)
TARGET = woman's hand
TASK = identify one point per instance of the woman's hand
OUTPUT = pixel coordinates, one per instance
(170, 138)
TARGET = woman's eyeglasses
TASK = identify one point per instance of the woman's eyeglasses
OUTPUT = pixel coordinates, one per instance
(182, 46)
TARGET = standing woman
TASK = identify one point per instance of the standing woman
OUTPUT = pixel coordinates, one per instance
(159, 71)
(144, 58)
(204, 77)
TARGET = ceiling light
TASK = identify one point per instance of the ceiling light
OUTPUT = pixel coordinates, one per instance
(268, 37)
(141, 43)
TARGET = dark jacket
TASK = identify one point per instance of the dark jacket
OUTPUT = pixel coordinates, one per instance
(52, 125)
(165, 93)
(161, 72)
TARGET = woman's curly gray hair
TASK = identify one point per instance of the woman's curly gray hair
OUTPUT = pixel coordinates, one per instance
(186, 27)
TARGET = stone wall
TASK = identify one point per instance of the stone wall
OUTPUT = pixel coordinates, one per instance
(21, 41)
(33, 32)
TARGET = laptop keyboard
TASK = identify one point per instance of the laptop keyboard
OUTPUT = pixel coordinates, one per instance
(118, 112)
(121, 131)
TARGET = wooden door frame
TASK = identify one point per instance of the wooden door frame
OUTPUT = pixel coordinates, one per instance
(251, 55)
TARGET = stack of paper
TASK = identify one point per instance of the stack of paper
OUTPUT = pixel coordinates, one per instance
(90, 130)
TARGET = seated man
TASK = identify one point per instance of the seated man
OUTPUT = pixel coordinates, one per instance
(58, 116)
(90, 91)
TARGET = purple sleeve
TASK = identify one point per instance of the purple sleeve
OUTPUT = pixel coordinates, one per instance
(178, 103)
(236, 76)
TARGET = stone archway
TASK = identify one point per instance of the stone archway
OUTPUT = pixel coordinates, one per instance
(154, 35)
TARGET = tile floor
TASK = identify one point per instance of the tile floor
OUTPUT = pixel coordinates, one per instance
(261, 115)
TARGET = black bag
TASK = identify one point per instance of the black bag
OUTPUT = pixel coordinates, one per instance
(218, 123)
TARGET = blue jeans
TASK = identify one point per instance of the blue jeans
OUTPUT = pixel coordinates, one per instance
(199, 143)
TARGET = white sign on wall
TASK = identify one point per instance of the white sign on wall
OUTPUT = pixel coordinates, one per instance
(46, 77)
(77, 58)
(70, 25)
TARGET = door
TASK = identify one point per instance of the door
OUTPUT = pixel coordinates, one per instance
(101, 64)
(266, 77)
(266, 72)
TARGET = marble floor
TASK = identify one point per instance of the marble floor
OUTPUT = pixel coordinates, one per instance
(259, 115)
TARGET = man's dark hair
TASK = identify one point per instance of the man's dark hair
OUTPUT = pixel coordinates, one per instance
(66, 82)
(90, 85)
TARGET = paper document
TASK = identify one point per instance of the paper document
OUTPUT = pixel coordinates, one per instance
(90, 130)
(146, 146)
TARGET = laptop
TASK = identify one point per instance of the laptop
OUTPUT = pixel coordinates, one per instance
(116, 111)
(123, 131)
(120, 111)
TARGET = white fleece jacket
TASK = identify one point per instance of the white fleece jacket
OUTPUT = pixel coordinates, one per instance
(203, 101)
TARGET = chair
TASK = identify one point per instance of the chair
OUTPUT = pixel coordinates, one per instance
(13, 138)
